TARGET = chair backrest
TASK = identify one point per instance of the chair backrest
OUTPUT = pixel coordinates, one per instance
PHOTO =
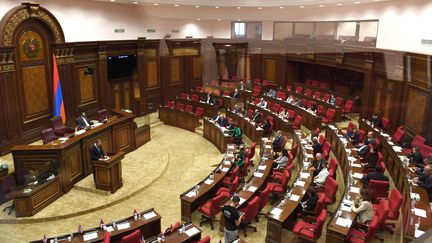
(256, 101)
(308, 92)
(326, 149)
(323, 85)
(194, 97)
(226, 93)
(288, 87)
(397, 136)
(198, 88)
(326, 97)
(350, 127)
(339, 101)
(308, 82)
(319, 224)
(284, 141)
(179, 106)
(382, 165)
(269, 105)
(215, 204)
(205, 240)
(380, 156)
(348, 106)
(235, 173)
(234, 185)
(333, 163)
(48, 135)
(252, 147)
(189, 108)
(107, 237)
(290, 167)
(372, 228)
(330, 186)
(56, 122)
(250, 113)
(257, 81)
(362, 134)
(133, 237)
(385, 123)
(320, 110)
(418, 140)
(382, 211)
(285, 178)
(294, 149)
(281, 95)
(184, 96)
(314, 83)
(322, 139)
(299, 89)
(297, 121)
(317, 94)
(264, 197)
(199, 111)
(378, 189)
(170, 104)
(245, 167)
(252, 209)
(102, 114)
(275, 107)
(395, 202)
(330, 114)
(291, 113)
(426, 150)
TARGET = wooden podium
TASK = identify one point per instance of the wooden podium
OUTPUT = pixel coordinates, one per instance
(107, 174)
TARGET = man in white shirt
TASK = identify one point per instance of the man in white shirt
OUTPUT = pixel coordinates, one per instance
(262, 103)
(320, 179)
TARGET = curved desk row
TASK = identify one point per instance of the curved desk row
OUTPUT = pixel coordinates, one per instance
(279, 123)
(277, 217)
(215, 134)
(253, 132)
(177, 118)
(309, 120)
(209, 109)
(392, 156)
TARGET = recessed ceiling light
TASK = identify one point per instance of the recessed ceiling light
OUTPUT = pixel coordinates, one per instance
(238, 19)
(376, 0)
(196, 6)
(112, 0)
(155, 4)
(176, 5)
(259, 7)
(198, 19)
(217, 7)
(238, 8)
(339, 4)
(357, 2)
(281, 7)
(219, 19)
(321, 6)
(135, 2)
(302, 6)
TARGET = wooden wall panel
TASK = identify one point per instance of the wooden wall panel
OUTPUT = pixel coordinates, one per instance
(35, 90)
(175, 71)
(274, 69)
(152, 73)
(270, 69)
(415, 111)
(87, 86)
(196, 68)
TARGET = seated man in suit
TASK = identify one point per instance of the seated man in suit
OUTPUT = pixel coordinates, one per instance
(372, 159)
(236, 94)
(96, 151)
(262, 103)
(332, 100)
(316, 146)
(223, 122)
(425, 181)
(376, 121)
(363, 148)
(242, 151)
(353, 136)
(256, 117)
(217, 117)
(278, 141)
(317, 164)
(308, 202)
(374, 175)
(83, 122)
(265, 125)
(209, 100)
(421, 171)
(241, 86)
(415, 156)
(290, 99)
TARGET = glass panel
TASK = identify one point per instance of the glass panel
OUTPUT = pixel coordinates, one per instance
(303, 30)
(368, 32)
(347, 31)
(282, 31)
(325, 31)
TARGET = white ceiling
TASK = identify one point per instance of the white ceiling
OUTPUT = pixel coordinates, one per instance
(246, 3)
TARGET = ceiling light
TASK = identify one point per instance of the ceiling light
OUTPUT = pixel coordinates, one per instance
(219, 19)
(339, 4)
(238, 19)
(302, 6)
(238, 7)
(260, 8)
(176, 5)
(321, 6)
(217, 7)
(198, 19)
(155, 4)
(135, 2)
(357, 2)
(281, 7)
(112, 0)
(196, 6)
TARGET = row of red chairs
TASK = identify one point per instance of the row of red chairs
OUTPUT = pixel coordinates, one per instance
(199, 112)
(316, 83)
(297, 120)
(137, 237)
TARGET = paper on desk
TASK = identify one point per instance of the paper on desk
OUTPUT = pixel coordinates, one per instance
(420, 212)
(391, 143)
(97, 124)
(304, 175)
(122, 226)
(309, 156)
(340, 135)
(192, 231)
(348, 150)
(230, 155)
(358, 175)
(332, 126)
(385, 135)
(347, 202)
(343, 222)
(397, 148)
(231, 147)
(303, 141)
(268, 146)
(352, 158)
(259, 129)
(345, 208)
(225, 169)
(90, 236)
(276, 211)
(191, 194)
(63, 139)
(258, 174)
(242, 200)
(79, 132)
(308, 147)
(300, 183)
(150, 215)
(252, 188)
(418, 233)
(355, 190)
(262, 167)
(209, 181)
(110, 229)
(294, 197)
(356, 165)
(227, 162)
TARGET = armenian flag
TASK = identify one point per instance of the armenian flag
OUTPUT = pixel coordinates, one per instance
(58, 104)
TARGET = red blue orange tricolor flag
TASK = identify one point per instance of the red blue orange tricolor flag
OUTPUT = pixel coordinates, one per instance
(58, 104)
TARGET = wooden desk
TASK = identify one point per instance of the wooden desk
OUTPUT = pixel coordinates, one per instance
(40, 196)
(309, 120)
(107, 174)
(335, 232)
(72, 158)
(180, 119)
(279, 123)
(209, 110)
(206, 191)
(275, 223)
(176, 236)
(400, 176)
(149, 228)
(255, 181)
(255, 134)
(214, 134)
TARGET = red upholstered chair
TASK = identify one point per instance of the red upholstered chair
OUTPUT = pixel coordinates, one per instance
(317, 210)
(281, 95)
(228, 179)
(378, 189)
(107, 237)
(297, 122)
(309, 231)
(199, 89)
(316, 95)
(60, 129)
(252, 148)
(214, 83)
(189, 108)
(288, 87)
(250, 113)
(227, 192)
(245, 168)
(350, 127)
(277, 175)
(323, 85)
(265, 83)
(170, 105)
(333, 165)
(256, 91)
(329, 116)
(348, 107)
(205, 240)
(257, 82)
(279, 188)
(417, 141)
(320, 110)
(291, 114)
(314, 83)
(199, 112)
(322, 139)
(339, 101)
(48, 135)
(398, 135)
(357, 236)
(180, 106)
(250, 211)
(299, 89)
(304, 101)
(426, 150)
(256, 101)
(294, 149)
(184, 96)
(264, 197)
(308, 92)
(275, 108)
(326, 97)
(226, 93)
(195, 98)
(326, 149)
(394, 204)
(269, 104)
(385, 123)
(132, 237)
(8, 185)
(362, 134)
(308, 82)
(102, 115)
(329, 193)
(210, 209)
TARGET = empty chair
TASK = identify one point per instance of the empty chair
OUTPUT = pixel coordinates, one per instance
(417, 141)
(256, 91)
(385, 123)
(297, 122)
(378, 189)
(326, 149)
(265, 83)
(184, 96)
(294, 149)
(226, 93)
(323, 85)
(210, 209)
(264, 198)
(309, 231)
(329, 116)
(195, 98)
(245, 168)
(314, 83)
(308, 92)
(279, 188)
(132, 237)
(357, 236)
(228, 179)
(362, 134)
(299, 89)
(199, 89)
(199, 112)
(326, 97)
(398, 135)
(329, 193)
(339, 101)
(322, 139)
(348, 107)
(320, 110)
(308, 82)
(394, 204)
(250, 211)
(170, 105)
(317, 95)
(333, 167)
(60, 129)
(205, 240)
(189, 108)
(291, 114)
(102, 115)
(288, 87)
(256, 82)
(275, 107)
(180, 106)
(281, 95)
(227, 192)
(107, 237)
(48, 135)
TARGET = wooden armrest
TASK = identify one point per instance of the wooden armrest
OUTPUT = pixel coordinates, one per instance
(307, 228)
